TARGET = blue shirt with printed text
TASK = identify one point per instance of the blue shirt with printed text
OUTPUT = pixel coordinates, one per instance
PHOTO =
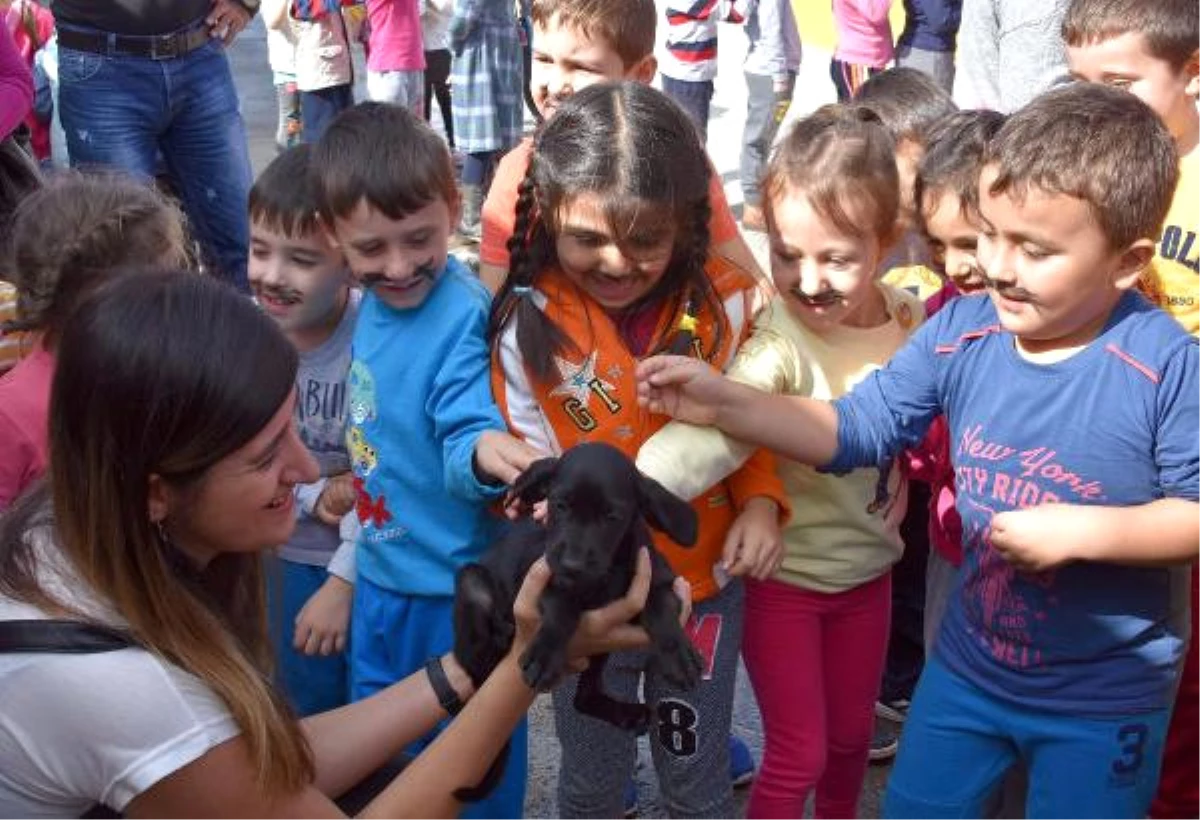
(1114, 424)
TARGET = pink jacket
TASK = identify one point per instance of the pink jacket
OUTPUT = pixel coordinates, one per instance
(864, 32)
(396, 43)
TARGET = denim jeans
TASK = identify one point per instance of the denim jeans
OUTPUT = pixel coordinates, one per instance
(126, 112)
(694, 97)
(319, 108)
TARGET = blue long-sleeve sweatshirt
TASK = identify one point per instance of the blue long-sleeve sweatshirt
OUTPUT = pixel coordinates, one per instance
(1115, 425)
(420, 396)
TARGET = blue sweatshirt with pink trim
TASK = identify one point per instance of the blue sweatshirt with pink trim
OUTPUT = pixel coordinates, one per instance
(1116, 425)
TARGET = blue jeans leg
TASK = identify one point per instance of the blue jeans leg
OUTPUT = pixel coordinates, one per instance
(318, 108)
(206, 152)
(694, 97)
(123, 112)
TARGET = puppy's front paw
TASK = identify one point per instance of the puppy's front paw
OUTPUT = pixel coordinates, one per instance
(543, 664)
(681, 665)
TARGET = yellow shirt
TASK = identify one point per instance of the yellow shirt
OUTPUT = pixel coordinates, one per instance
(12, 345)
(839, 535)
(1173, 281)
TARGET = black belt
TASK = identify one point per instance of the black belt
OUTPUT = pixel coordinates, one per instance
(154, 46)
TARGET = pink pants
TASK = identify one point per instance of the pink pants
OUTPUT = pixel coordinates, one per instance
(815, 661)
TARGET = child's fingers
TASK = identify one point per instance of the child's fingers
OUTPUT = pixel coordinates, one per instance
(650, 370)
(683, 591)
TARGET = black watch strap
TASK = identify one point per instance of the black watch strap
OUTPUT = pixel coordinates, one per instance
(446, 695)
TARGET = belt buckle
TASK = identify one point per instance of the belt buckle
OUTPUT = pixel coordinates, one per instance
(164, 47)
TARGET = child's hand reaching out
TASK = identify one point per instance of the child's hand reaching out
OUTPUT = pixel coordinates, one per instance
(336, 499)
(502, 457)
(323, 622)
(681, 387)
(754, 544)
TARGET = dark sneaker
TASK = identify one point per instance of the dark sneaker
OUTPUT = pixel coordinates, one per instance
(894, 710)
(884, 743)
(741, 763)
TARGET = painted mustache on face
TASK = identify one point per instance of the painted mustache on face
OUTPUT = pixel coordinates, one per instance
(826, 298)
(283, 294)
(425, 270)
(1006, 291)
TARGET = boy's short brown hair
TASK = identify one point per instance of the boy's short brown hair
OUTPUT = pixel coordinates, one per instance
(1171, 27)
(908, 102)
(1094, 143)
(382, 154)
(626, 25)
(283, 198)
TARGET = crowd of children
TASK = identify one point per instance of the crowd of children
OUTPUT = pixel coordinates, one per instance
(944, 458)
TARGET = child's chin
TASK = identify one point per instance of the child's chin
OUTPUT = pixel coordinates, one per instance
(403, 299)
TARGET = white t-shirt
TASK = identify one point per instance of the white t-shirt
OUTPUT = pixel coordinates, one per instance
(76, 730)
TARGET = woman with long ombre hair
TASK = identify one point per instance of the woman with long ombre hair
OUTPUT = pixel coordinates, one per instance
(172, 462)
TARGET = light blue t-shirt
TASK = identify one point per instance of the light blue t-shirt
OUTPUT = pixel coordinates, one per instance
(1115, 425)
(420, 396)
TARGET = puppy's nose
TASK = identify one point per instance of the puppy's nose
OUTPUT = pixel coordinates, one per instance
(573, 565)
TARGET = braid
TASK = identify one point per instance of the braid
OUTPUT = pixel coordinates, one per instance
(693, 261)
(538, 338)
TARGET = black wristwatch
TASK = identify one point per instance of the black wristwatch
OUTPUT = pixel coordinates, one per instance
(446, 695)
(250, 6)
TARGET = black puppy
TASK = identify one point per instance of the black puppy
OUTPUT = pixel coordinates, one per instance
(598, 511)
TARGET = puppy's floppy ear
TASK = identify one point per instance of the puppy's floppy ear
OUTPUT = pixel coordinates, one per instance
(667, 512)
(534, 484)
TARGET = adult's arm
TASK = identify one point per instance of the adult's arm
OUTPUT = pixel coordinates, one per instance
(352, 742)
(16, 85)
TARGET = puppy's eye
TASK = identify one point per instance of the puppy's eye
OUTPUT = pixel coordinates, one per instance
(558, 505)
(613, 515)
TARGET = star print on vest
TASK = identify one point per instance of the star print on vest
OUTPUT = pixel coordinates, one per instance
(579, 383)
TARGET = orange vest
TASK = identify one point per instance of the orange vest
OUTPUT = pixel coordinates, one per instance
(596, 399)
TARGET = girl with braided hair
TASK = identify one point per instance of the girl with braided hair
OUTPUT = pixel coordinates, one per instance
(66, 240)
(611, 263)
(831, 196)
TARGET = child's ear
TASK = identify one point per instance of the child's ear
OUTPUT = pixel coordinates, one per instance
(643, 70)
(328, 231)
(1192, 69)
(1132, 264)
(157, 499)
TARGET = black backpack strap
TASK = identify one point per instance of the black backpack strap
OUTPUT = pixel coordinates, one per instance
(69, 637)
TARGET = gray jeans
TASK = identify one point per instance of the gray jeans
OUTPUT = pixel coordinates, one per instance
(765, 110)
(689, 738)
(937, 64)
